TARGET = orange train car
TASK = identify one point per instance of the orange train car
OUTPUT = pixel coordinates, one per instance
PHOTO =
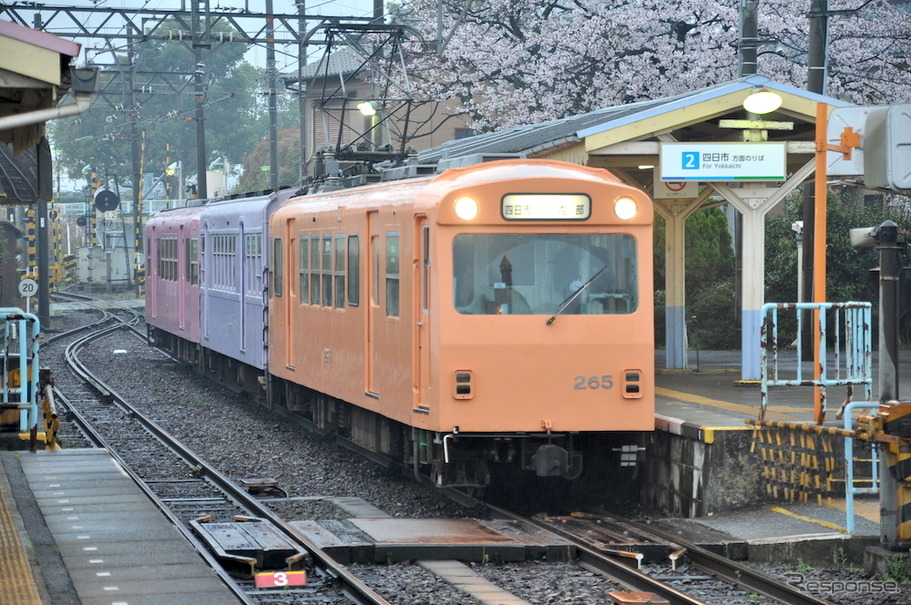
(496, 312)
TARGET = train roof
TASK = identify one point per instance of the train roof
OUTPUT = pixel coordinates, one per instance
(426, 191)
(179, 216)
(245, 205)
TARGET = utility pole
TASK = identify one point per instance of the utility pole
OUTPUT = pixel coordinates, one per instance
(749, 37)
(302, 92)
(199, 46)
(816, 82)
(273, 109)
(135, 172)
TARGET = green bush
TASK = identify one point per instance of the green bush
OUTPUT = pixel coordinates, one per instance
(712, 317)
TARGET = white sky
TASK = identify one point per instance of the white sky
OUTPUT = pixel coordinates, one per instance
(257, 56)
(286, 60)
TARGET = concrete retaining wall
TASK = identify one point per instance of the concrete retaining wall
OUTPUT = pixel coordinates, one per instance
(691, 471)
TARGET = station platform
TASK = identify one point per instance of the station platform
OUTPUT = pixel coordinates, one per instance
(768, 493)
(75, 529)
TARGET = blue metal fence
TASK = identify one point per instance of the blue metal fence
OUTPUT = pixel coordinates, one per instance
(847, 362)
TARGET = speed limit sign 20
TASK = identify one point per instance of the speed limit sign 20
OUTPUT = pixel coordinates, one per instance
(28, 287)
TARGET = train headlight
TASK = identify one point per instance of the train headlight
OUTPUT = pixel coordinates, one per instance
(466, 208)
(625, 208)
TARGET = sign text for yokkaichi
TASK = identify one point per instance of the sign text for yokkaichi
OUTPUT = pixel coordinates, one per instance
(723, 162)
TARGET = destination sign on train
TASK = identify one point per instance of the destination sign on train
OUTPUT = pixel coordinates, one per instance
(723, 162)
(542, 206)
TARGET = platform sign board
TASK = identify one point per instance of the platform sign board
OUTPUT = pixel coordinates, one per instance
(280, 579)
(723, 161)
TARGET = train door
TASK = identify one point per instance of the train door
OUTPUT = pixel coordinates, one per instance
(152, 275)
(286, 261)
(206, 318)
(422, 324)
(374, 310)
(181, 279)
(240, 262)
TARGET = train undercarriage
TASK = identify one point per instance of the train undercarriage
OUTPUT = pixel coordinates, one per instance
(452, 459)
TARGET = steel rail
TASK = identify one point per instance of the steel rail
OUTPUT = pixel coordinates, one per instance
(353, 587)
(714, 565)
(731, 571)
(603, 564)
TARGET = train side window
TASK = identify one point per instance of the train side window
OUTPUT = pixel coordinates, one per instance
(225, 261)
(172, 258)
(425, 269)
(392, 274)
(354, 271)
(326, 272)
(192, 260)
(167, 258)
(305, 270)
(254, 260)
(159, 258)
(375, 252)
(314, 270)
(277, 267)
(232, 263)
(339, 269)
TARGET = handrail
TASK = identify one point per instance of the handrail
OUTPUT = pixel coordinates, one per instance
(26, 341)
(853, 366)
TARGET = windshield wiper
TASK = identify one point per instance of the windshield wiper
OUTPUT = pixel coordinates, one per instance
(569, 300)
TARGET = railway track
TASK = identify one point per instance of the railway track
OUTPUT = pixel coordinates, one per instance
(609, 542)
(669, 584)
(186, 488)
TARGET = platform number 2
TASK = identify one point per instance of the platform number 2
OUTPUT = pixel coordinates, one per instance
(690, 160)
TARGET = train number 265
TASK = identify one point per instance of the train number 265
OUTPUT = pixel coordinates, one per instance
(584, 383)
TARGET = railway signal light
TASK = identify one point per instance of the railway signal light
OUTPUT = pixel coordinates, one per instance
(106, 200)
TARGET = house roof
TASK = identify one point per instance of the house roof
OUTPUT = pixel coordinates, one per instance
(341, 62)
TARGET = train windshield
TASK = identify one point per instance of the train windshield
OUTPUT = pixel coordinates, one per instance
(544, 274)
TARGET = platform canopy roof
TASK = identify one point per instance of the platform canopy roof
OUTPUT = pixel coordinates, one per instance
(34, 75)
(627, 136)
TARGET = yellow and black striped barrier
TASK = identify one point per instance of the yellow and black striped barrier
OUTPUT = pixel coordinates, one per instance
(799, 461)
(895, 418)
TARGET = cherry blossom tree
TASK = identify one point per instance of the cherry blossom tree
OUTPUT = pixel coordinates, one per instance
(513, 62)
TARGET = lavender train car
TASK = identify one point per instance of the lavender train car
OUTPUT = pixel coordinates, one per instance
(232, 307)
(172, 280)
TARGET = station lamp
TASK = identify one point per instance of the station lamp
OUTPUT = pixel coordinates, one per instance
(762, 101)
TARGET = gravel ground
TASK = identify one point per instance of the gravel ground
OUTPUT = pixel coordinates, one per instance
(244, 441)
